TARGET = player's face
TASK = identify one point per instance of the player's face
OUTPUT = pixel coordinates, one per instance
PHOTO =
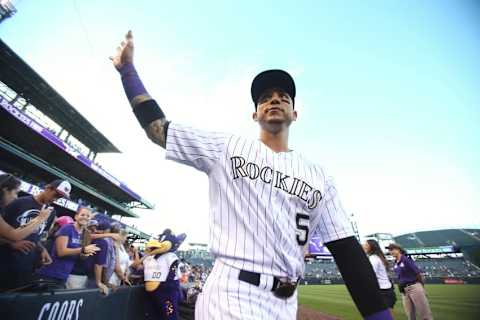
(275, 110)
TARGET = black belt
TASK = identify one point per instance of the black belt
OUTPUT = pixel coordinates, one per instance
(281, 289)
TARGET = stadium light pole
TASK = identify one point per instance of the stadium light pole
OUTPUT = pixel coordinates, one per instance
(6, 10)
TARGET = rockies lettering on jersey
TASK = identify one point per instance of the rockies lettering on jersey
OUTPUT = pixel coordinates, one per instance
(296, 187)
(264, 206)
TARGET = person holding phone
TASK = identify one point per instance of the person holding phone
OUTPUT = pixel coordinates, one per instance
(9, 188)
(20, 258)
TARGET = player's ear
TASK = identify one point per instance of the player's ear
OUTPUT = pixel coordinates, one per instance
(255, 116)
(295, 115)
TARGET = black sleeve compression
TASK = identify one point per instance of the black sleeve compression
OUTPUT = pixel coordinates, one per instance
(147, 112)
(358, 274)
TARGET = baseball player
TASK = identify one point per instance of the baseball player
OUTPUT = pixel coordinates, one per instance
(266, 200)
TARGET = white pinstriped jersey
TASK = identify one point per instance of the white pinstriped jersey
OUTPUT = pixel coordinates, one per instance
(264, 206)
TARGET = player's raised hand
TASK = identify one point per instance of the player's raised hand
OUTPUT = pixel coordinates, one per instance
(124, 52)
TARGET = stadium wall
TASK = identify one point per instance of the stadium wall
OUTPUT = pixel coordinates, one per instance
(125, 303)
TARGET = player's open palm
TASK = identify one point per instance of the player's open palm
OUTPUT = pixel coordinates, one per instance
(124, 52)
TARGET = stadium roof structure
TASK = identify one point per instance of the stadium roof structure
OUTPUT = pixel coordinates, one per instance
(20, 159)
(19, 76)
(437, 238)
(467, 241)
(23, 133)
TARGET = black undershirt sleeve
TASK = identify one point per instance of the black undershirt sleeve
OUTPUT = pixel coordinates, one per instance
(358, 274)
(147, 112)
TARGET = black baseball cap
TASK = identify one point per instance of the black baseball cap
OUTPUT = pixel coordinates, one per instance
(392, 246)
(272, 79)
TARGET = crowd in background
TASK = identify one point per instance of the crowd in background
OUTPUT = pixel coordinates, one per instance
(42, 251)
(192, 279)
(431, 267)
(39, 250)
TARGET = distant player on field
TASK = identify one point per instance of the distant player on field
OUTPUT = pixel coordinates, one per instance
(266, 200)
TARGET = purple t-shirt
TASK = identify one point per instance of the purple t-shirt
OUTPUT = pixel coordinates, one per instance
(99, 258)
(61, 267)
(406, 270)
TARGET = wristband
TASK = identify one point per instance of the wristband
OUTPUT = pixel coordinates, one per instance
(132, 84)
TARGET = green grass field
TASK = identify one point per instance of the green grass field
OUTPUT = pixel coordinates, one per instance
(448, 302)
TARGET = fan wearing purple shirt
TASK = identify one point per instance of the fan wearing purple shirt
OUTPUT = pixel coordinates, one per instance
(102, 265)
(67, 248)
(410, 284)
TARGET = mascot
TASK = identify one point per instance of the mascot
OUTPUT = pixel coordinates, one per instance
(162, 276)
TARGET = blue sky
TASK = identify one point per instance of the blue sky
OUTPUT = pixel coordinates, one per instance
(387, 94)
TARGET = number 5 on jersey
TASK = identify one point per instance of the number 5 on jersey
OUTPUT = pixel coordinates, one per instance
(302, 221)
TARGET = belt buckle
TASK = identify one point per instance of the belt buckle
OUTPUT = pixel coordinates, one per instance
(285, 288)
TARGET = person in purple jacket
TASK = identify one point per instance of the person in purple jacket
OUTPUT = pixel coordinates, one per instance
(410, 284)
(67, 248)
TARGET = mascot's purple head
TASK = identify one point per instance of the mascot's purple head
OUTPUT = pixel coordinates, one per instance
(167, 242)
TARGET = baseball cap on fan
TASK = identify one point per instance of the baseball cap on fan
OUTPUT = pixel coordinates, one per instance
(272, 79)
(63, 187)
(393, 246)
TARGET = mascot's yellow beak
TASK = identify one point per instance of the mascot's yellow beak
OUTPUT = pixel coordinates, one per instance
(154, 247)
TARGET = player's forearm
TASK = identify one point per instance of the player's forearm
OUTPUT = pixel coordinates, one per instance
(358, 274)
(148, 112)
